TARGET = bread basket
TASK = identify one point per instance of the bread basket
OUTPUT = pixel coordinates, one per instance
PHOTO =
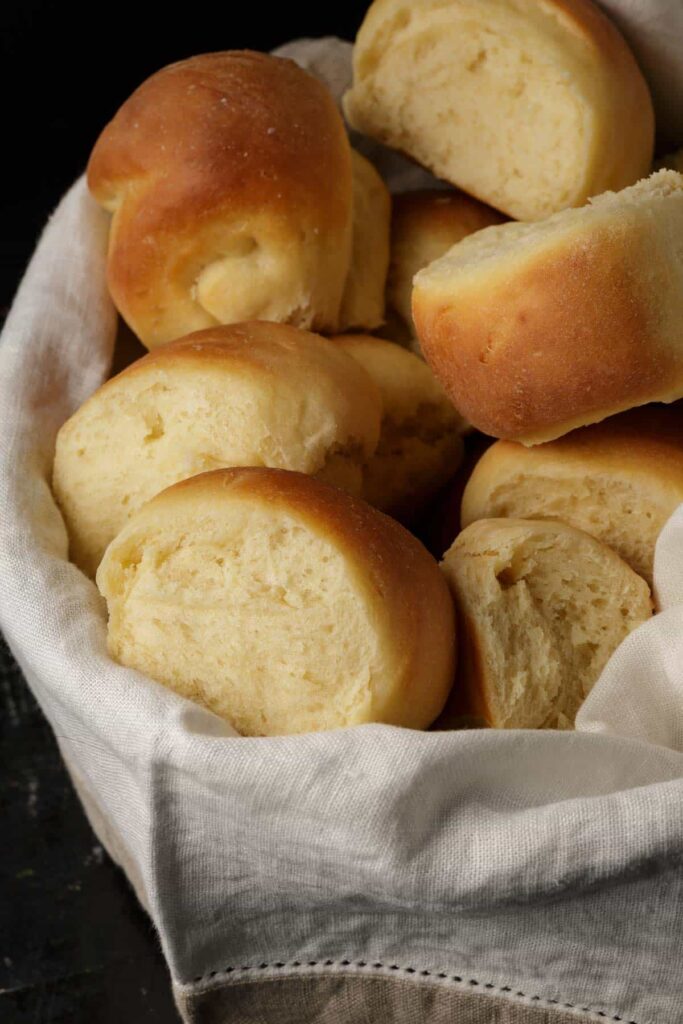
(373, 873)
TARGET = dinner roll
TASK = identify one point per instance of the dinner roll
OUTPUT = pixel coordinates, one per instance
(255, 394)
(363, 299)
(281, 604)
(541, 607)
(420, 443)
(530, 106)
(424, 226)
(229, 179)
(535, 329)
(619, 481)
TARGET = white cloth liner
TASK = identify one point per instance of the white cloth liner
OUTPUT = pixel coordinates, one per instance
(545, 863)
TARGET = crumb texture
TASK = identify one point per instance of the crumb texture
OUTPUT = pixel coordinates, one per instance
(420, 442)
(267, 601)
(244, 395)
(619, 480)
(542, 606)
(280, 604)
(530, 107)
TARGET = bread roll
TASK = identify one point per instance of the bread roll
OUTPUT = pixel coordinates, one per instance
(535, 329)
(619, 481)
(363, 299)
(420, 443)
(281, 604)
(541, 607)
(529, 106)
(424, 226)
(229, 179)
(654, 29)
(254, 394)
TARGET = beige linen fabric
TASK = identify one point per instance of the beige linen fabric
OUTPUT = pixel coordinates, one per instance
(330, 999)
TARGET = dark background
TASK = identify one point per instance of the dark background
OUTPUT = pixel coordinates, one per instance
(75, 947)
(66, 67)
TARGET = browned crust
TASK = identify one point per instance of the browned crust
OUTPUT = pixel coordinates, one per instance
(439, 212)
(643, 447)
(363, 300)
(425, 225)
(569, 339)
(215, 344)
(630, 91)
(249, 344)
(591, 22)
(467, 699)
(214, 137)
(276, 117)
(647, 440)
(403, 573)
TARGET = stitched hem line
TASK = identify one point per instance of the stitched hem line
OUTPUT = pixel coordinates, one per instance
(456, 979)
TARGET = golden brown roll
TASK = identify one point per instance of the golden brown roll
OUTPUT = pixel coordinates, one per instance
(420, 443)
(541, 607)
(530, 107)
(281, 604)
(424, 226)
(258, 394)
(619, 480)
(535, 329)
(363, 300)
(229, 179)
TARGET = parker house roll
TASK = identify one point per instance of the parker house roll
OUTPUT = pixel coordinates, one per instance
(363, 300)
(420, 443)
(256, 394)
(529, 105)
(619, 480)
(541, 607)
(424, 226)
(535, 329)
(281, 604)
(229, 179)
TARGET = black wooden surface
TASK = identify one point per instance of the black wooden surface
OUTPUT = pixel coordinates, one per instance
(75, 945)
